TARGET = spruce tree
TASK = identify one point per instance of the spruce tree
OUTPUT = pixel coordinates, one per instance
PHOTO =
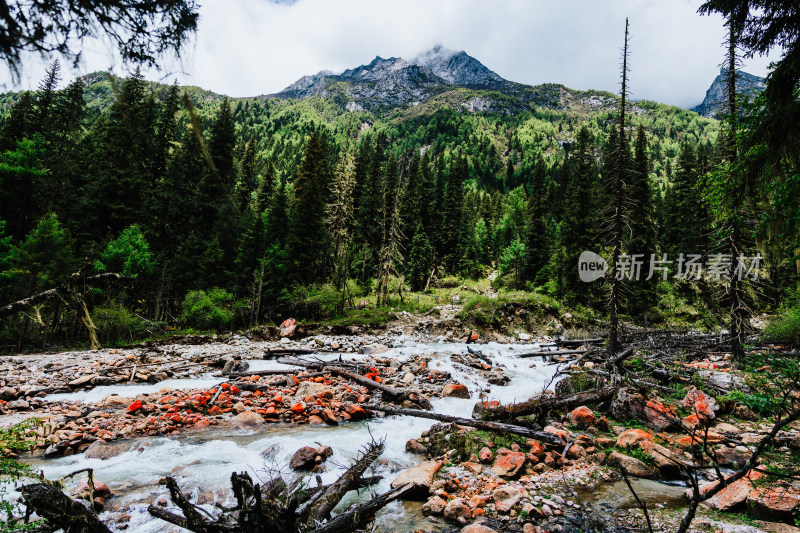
(19, 123)
(340, 219)
(307, 231)
(452, 210)
(45, 101)
(642, 230)
(420, 259)
(578, 230)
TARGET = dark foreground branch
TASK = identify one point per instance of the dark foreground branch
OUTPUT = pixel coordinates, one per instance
(362, 514)
(48, 501)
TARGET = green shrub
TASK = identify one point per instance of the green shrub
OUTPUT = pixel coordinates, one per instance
(128, 254)
(114, 323)
(314, 301)
(207, 310)
(784, 328)
(448, 282)
(13, 440)
(762, 404)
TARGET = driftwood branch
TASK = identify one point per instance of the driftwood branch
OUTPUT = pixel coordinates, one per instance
(546, 353)
(547, 438)
(390, 393)
(541, 405)
(277, 507)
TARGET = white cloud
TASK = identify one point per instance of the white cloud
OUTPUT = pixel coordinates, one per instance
(248, 47)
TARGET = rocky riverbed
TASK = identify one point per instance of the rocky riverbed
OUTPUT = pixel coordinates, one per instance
(201, 408)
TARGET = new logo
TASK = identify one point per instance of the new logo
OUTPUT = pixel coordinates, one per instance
(591, 266)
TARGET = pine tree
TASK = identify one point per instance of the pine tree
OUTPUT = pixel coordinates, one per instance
(390, 254)
(452, 209)
(578, 228)
(340, 219)
(46, 96)
(682, 204)
(275, 262)
(23, 177)
(642, 229)
(248, 174)
(221, 144)
(420, 259)
(307, 232)
(45, 256)
(120, 173)
(19, 123)
(368, 232)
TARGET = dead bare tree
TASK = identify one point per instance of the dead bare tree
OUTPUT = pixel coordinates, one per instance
(620, 166)
(279, 507)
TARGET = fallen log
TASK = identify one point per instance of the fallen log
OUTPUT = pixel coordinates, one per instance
(61, 511)
(580, 359)
(547, 438)
(62, 290)
(192, 518)
(479, 355)
(577, 342)
(541, 405)
(139, 365)
(622, 356)
(545, 353)
(393, 394)
(281, 352)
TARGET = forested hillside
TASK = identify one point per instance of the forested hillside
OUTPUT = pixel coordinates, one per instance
(226, 212)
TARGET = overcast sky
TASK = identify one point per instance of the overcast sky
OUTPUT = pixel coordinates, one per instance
(252, 47)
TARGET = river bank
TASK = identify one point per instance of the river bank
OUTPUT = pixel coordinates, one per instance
(198, 412)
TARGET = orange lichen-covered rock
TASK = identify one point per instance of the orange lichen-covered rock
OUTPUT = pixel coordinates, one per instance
(632, 438)
(485, 455)
(299, 407)
(777, 502)
(563, 434)
(536, 447)
(650, 411)
(731, 496)
(508, 463)
(582, 417)
(455, 390)
(700, 404)
(356, 412)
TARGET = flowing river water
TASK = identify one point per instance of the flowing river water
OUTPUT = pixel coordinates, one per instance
(203, 460)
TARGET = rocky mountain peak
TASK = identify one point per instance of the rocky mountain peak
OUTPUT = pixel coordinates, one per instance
(394, 80)
(458, 68)
(716, 98)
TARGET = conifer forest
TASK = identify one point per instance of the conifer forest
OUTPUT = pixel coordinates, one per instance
(410, 296)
